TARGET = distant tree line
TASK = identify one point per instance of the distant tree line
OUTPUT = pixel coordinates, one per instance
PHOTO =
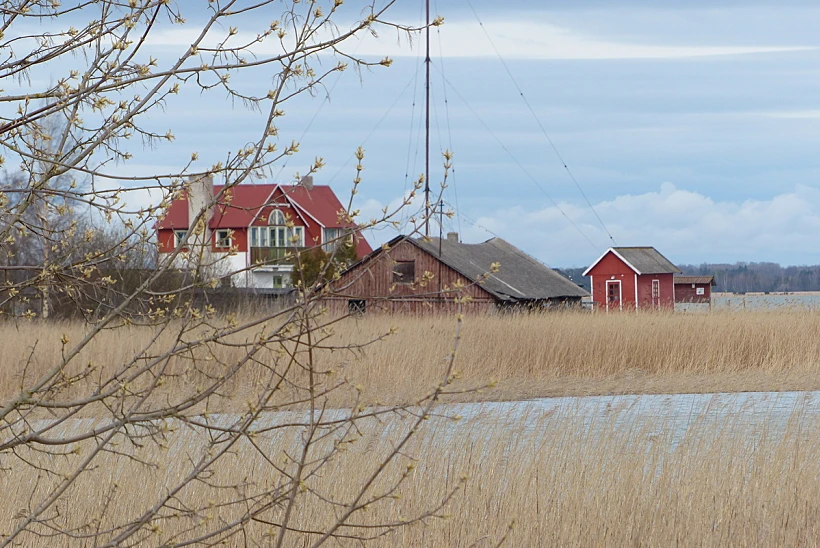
(758, 277)
(739, 277)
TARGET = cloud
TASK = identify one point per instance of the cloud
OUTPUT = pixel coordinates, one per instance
(686, 226)
(545, 41)
(808, 114)
(513, 39)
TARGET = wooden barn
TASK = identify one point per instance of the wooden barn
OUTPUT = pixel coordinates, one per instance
(694, 289)
(632, 278)
(418, 276)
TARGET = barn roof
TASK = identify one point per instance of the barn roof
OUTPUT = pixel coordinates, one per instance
(643, 260)
(695, 280)
(520, 277)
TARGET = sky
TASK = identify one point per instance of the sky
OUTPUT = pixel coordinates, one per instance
(692, 127)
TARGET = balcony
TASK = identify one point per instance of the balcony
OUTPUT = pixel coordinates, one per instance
(274, 255)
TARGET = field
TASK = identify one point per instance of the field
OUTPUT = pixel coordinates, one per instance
(525, 356)
(527, 475)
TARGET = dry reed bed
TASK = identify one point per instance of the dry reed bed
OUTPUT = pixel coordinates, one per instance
(566, 477)
(529, 356)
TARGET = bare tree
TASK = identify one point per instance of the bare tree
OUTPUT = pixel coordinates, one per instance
(81, 128)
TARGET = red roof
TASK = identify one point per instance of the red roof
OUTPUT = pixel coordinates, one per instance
(242, 203)
(320, 203)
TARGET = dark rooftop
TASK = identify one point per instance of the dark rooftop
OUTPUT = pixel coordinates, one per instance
(519, 277)
(695, 280)
(646, 260)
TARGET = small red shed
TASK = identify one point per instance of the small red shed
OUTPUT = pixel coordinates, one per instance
(626, 278)
(694, 289)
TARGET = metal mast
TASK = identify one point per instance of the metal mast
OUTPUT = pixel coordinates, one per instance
(427, 131)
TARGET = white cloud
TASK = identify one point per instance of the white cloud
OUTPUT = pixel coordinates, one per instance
(809, 114)
(515, 39)
(687, 227)
(542, 40)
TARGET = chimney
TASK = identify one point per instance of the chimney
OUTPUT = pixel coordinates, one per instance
(200, 198)
(452, 237)
(307, 182)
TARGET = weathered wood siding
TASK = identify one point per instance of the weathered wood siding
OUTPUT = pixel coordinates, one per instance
(372, 282)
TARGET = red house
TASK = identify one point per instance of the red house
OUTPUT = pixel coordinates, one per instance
(632, 278)
(252, 228)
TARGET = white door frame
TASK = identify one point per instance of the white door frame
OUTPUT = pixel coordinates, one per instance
(620, 293)
(656, 295)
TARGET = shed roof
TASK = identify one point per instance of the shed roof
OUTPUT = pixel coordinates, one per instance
(519, 277)
(643, 260)
(695, 280)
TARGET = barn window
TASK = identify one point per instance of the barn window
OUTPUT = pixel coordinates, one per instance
(404, 272)
(700, 291)
(357, 306)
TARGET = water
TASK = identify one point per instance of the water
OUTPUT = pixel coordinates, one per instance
(670, 414)
(757, 301)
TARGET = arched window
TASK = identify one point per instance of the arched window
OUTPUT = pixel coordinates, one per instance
(277, 218)
(277, 233)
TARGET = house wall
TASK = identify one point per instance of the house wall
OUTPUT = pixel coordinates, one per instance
(165, 240)
(372, 281)
(686, 293)
(239, 240)
(610, 267)
(667, 289)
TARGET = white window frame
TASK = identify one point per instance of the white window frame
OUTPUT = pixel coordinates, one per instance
(330, 238)
(296, 236)
(178, 238)
(656, 293)
(278, 234)
(219, 241)
(277, 218)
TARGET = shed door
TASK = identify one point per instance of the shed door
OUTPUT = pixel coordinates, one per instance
(656, 293)
(613, 294)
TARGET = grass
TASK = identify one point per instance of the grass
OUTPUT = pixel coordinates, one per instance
(527, 356)
(565, 476)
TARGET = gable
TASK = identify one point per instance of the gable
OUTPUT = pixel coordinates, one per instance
(640, 260)
(371, 277)
(609, 264)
